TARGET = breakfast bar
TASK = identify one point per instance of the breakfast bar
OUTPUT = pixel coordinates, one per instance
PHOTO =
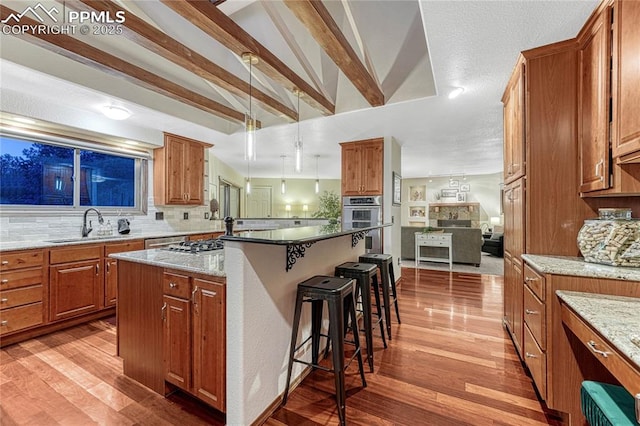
(260, 271)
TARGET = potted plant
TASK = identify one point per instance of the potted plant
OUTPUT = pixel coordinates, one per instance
(328, 207)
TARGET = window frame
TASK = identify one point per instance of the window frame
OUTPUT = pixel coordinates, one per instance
(141, 175)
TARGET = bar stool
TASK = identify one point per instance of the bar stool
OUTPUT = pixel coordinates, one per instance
(366, 276)
(385, 264)
(338, 293)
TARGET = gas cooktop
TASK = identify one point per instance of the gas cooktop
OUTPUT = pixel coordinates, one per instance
(196, 246)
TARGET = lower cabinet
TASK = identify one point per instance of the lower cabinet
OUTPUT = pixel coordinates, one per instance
(111, 268)
(194, 336)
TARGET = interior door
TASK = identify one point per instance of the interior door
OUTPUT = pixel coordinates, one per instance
(259, 202)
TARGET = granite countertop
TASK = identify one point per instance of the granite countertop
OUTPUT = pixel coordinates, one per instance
(301, 235)
(209, 263)
(622, 330)
(576, 266)
(61, 242)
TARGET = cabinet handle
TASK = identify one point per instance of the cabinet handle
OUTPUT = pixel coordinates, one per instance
(193, 295)
(97, 269)
(3, 323)
(5, 262)
(172, 284)
(530, 355)
(108, 267)
(4, 300)
(593, 345)
(530, 312)
(529, 279)
(4, 281)
(598, 165)
(163, 312)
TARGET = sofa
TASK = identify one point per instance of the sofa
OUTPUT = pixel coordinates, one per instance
(467, 244)
(494, 244)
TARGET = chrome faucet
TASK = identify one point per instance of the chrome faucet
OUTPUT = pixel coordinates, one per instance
(85, 230)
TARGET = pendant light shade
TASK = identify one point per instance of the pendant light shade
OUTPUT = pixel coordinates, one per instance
(317, 178)
(248, 182)
(297, 144)
(250, 122)
(283, 184)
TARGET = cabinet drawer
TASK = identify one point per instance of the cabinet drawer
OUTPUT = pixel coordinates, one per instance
(534, 316)
(536, 361)
(9, 280)
(19, 260)
(74, 254)
(20, 296)
(15, 319)
(535, 281)
(122, 247)
(176, 285)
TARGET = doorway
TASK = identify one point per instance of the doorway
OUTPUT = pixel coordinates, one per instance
(259, 202)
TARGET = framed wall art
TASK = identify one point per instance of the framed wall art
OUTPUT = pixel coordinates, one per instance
(448, 193)
(465, 187)
(396, 189)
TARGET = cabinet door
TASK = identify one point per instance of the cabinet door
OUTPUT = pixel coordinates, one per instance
(517, 304)
(176, 164)
(626, 78)
(74, 289)
(194, 173)
(508, 291)
(351, 170)
(110, 282)
(372, 164)
(514, 116)
(177, 341)
(209, 337)
(593, 106)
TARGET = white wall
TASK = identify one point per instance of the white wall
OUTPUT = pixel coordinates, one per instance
(391, 213)
(484, 189)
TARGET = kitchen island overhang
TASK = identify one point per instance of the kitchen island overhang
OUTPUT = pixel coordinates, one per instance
(260, 299)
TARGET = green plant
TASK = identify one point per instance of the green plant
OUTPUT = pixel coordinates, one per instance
(328, 206)
(428, 229)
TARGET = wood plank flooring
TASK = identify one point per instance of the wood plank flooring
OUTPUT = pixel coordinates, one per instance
(450, 362)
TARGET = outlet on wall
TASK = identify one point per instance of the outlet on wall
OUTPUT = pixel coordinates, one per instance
(159, 215)
(206, 215)
(185, 215)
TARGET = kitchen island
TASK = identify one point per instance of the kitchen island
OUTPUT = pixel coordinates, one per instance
(260, 271)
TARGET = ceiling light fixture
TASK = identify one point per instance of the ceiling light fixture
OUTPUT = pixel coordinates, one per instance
(456, 92)
(317, 178)
(115, 112)
(283, 184)
(250, 118)
(297, 144)
(248, 182)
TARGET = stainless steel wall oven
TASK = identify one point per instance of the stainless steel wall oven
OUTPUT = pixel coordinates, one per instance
(362, 212)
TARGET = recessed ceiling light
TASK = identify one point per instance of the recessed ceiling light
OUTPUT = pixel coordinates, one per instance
(115, 112)
(456, 92)
(24, 120)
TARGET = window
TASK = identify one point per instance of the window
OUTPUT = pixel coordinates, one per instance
(38, 173)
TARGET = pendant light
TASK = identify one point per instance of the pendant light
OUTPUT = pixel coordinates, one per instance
(317, 178)
(248, 182)
(283, 184)
(297, 144)
(250, 118)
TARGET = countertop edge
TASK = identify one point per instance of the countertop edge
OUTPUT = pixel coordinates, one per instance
(576, 266)
(132, 256)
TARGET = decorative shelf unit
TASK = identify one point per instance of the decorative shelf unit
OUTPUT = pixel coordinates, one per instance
(454, 211)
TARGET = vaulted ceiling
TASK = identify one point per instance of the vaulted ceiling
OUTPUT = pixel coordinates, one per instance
(363, 69)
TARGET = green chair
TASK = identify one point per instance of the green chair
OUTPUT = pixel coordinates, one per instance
(607, 405)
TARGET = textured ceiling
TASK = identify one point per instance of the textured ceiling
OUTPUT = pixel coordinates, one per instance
(471, 44)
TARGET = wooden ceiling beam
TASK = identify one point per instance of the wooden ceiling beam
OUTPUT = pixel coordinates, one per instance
(149, 37)
(86, 54)
(315, 16)
(219, 26)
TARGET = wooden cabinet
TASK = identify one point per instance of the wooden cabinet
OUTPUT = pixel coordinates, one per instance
(111, 268)
(593, 104)
(362, 167)
(178, 171)
(195, 336)
(22, 290)
(204, 236)
(557, 359)
(75, 281)
(514, 122)
(626, 81)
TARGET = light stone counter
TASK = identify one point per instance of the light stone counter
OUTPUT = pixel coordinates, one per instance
(209, 263)
(616, 318)
(576, 266)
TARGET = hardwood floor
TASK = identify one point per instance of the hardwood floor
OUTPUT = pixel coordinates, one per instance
(450, 362)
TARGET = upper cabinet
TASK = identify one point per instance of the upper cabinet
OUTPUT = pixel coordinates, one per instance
(626, 81)
(514, 140)
(609, 89)
(362, 164)
(178, 171)
(593, 103)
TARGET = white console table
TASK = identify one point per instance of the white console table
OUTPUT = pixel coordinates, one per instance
(434, 239)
